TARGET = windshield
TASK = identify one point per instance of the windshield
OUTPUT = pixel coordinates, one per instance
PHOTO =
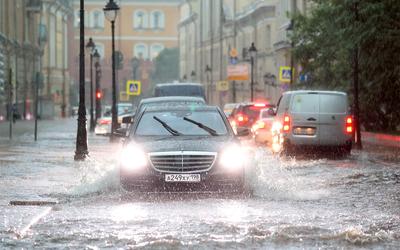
(148, 126)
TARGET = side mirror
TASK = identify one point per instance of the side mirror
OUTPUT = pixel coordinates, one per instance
(127, 119)
(121, 132)
(271, 112)
(241, 132)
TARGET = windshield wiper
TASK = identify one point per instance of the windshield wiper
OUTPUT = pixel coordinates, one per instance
(168, 128)
(202, 126)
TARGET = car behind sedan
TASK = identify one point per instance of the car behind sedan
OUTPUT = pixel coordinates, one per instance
(175, 148)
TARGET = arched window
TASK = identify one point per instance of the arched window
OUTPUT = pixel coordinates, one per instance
(141, 51)
(140, 20)
(157, 20)
(155, 50)
(97, 19)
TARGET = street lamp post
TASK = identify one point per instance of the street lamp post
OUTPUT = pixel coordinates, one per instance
(208, 73)
(90, 49)
(96, 59)
(81, 151)
(253, 54)
(111, 12)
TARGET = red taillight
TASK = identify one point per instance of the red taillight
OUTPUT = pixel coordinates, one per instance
(286, 123)
(104, 122)
(349, 125)
(241, 118)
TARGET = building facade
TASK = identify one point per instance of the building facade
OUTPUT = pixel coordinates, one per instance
(210, 29)
(143, 28)
(21, 56)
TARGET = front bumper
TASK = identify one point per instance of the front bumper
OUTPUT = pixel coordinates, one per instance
(150, 180)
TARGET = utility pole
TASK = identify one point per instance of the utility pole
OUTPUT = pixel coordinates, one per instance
(234, 46)
(221, 45)
(356, 84)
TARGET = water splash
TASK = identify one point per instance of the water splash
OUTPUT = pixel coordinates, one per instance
(280, 179)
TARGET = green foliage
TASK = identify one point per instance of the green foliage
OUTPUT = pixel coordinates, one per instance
(326, 39)
(166, 66)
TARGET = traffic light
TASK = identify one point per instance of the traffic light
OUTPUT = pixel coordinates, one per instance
(98, 95)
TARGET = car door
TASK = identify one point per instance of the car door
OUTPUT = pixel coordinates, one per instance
(304, 116)
(332, 116)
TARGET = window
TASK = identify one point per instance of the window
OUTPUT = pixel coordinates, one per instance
(155, 50)
(157, 20)
(97, 20)
(141, 51)
(140, 20)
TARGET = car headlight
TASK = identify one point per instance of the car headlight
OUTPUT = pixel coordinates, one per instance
(133, 158)
(232, 157)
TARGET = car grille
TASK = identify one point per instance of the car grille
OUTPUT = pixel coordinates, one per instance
(182, 161)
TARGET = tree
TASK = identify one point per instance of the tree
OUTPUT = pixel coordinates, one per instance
(337, 31)
(166, 66)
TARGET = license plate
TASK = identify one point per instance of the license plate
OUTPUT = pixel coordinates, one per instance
(182, 178)
(304, 131)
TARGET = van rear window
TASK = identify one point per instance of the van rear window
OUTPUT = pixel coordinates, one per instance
(332, 104)
(305, 103)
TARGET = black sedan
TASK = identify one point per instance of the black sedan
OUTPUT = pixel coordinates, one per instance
(182, 148)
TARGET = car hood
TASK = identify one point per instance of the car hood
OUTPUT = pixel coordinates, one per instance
(185, 143)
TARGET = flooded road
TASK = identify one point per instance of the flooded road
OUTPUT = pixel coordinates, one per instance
(296, 203)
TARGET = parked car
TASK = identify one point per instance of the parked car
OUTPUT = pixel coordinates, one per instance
(103, 126)
(314, 119)
(180, 89)
(261, 129)
(170, 148)
(244, 115)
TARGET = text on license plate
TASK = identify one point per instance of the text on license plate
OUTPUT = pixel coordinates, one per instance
(182, 178)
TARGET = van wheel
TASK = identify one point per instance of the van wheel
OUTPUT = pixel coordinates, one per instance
(346, 150)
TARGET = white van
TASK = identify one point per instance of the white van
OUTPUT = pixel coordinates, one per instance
(315, 118)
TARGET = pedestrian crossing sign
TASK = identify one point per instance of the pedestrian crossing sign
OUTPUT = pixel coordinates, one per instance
(133, 87)
(285, 74)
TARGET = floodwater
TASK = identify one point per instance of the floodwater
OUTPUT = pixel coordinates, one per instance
(296, 203)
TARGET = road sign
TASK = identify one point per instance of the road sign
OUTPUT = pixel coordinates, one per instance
(238, 72)
(285, 73)
(133, 87)
(233, 60)
(222, 86)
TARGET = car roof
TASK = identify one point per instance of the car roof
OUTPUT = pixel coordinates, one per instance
(172, 98)
(180, 107)
(314, 91)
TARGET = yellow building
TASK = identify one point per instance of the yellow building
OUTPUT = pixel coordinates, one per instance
(143, 29)
(20, 53)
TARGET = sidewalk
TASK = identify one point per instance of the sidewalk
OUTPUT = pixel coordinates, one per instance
(381, 139)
